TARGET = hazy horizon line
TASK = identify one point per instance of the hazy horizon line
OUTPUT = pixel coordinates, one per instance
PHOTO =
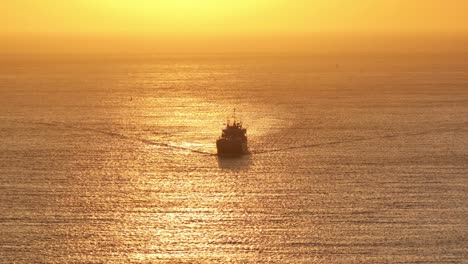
(263, 44)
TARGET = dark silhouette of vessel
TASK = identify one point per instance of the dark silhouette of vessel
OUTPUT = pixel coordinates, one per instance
(233, 140)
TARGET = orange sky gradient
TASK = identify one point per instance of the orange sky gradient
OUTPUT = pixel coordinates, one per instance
(320, 26)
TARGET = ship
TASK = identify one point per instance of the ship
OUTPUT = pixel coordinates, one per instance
(233, 140)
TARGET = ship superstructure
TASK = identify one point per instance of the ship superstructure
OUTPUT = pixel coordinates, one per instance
(233, 140)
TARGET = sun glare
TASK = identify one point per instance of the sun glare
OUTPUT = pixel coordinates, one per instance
(181, 16)
(225, 25)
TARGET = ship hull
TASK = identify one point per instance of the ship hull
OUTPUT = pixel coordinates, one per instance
(231, 148)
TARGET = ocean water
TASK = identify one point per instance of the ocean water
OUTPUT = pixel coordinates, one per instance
(355, 159)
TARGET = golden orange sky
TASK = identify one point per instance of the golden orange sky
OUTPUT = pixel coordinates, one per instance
(224, 25)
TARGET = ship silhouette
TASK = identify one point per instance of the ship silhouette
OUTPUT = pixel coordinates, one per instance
(233, 140)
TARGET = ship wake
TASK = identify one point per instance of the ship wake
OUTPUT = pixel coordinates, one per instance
(451, 128)
(121, 136)
(448, 128)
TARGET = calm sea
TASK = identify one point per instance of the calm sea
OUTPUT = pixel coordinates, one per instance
(355, 159)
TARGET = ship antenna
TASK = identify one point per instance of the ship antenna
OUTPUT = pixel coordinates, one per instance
(234, 115)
